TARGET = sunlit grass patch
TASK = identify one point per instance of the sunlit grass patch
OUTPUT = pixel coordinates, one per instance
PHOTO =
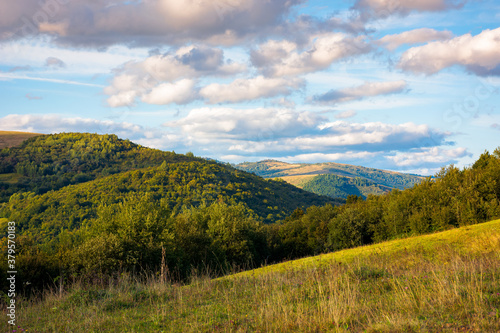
(445, 282)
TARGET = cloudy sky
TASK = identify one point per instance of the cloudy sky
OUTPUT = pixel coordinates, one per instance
(395, 84)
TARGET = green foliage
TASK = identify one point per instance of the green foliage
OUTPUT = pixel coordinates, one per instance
(341, 187)
(51, 162)
(198, 215)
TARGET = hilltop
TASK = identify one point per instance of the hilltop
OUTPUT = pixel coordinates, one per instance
(333, 179)
(50, 162)
(444, 282)
(13, 138)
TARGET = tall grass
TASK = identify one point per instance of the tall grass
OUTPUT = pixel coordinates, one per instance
(443, 288)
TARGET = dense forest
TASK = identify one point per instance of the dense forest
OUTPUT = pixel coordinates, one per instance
(207, 216)
(341, 187)
(51, 162)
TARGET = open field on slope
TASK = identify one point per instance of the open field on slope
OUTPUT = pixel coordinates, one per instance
(444, 282)
(12, 138)
(298, 181)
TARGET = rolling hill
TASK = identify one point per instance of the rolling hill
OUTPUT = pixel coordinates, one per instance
(60, 180)
(333, 179)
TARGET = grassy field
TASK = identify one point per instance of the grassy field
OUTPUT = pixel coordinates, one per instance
(444, 282)
(12, 138)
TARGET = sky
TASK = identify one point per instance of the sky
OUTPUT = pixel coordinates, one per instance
(403, 85)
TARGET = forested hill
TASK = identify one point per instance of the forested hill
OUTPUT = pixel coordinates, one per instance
(58, 182)
(333, 179)
(51, 162)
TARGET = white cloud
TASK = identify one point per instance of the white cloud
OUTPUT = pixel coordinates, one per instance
(284, 132)
(158, 78)
(433, 156)
(180, 92)
(208, 124)
(345, 114)
(284, 58)
(250, 89)
(54, 123)
(416, 36)
(479, 54)
(322, 157)
(368, 89)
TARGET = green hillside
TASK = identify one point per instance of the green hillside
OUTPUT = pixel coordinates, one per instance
(51, 162)
(341, 187)
(333, 179)
(444, 282)
(175, 184)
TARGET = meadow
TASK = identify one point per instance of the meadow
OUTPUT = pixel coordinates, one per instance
(442, 282)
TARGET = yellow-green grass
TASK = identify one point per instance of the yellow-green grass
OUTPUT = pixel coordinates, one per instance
(298, 181)
(445, 282)
(478, 238)
(13, 138)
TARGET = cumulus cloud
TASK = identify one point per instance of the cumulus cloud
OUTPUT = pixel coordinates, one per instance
(250, 89)
(54, 62)
(423, 35)
(104, 23)
(368, 89)
(283, 132)
(373, 9)
(285, 58)
(207, 124)
(478, 54)
(55, 123)
(180, 92)
(428, 157)
(154, 76)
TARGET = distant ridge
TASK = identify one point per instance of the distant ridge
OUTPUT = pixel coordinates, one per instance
(333, 179)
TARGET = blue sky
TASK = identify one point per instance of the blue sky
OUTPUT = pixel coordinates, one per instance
(402, 85)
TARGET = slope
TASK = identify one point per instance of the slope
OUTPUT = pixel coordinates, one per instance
(13, 138)
(445, 282)
(176, 184)
(50, 162)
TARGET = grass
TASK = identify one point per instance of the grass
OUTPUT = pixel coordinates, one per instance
(298, 181)
(13, 138)
(445, 282)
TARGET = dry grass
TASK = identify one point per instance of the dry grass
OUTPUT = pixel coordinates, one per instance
(447, 282)
(12, 138)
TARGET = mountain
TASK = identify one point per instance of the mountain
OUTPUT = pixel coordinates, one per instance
(333, 179)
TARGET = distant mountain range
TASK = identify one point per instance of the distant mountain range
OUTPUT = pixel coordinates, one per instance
(333, 179)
